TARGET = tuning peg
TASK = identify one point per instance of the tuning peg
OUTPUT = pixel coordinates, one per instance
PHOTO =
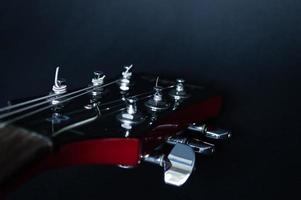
(157, 103)
(124, 83)
(178, 165)
(179, 91)
(130, 115)
(198, 146)
(98, 78)
(213, 133)
(59, 86)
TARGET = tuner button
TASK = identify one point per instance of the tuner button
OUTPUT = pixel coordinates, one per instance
(182, 160)
(178, 165)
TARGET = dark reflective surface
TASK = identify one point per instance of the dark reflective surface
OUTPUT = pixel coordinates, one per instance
(248, 49)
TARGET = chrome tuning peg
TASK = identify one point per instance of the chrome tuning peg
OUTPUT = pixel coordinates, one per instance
(124, 83)
(59, 86)
(97, 81)
(178, 165)
(156, 102)
(98, 78)
(130, 115)
(197, 145)
(179, 91)
(213, 133)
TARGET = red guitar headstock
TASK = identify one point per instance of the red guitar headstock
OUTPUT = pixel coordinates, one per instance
(120, 122)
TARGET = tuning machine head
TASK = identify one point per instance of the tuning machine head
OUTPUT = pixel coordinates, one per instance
(130, 116)
(209, 132)
(157, 102)
(179, 91)
(199, 146)
(97, 82)
(124, 84)
(98, 78)
(58, 89)
(59, 86)
(178, 165)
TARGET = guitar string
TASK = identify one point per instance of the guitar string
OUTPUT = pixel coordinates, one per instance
(5, 123)
(49, 100)
(135, 96)
(50, 106)
(89, 120)
(26, 102)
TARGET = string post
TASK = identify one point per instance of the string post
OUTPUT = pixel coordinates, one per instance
(125, 80)
(179, 91)
(130, 116)
(98, 78)
(59, 86)
(157, 103)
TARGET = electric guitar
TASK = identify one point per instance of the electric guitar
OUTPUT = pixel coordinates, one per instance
(120, 122)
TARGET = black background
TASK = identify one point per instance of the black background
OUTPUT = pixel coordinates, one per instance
(249, 49)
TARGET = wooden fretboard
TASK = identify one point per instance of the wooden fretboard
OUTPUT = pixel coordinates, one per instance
(19, 147)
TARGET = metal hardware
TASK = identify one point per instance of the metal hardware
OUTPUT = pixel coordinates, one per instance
(131, 115)
(59, 86)
(178, 165)
(198, 146)
(157, 103)
(97, 91)
(179, 91)
(97, 81)
(93, 104)
(125, 80)
(216, 133)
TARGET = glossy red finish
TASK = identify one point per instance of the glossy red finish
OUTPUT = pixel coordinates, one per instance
(122, 151)
(110, 151)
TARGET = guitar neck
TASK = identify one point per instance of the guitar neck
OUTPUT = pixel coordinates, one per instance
(18, 148)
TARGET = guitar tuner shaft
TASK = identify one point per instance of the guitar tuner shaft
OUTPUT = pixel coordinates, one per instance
(213, 133)
(198, 146)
